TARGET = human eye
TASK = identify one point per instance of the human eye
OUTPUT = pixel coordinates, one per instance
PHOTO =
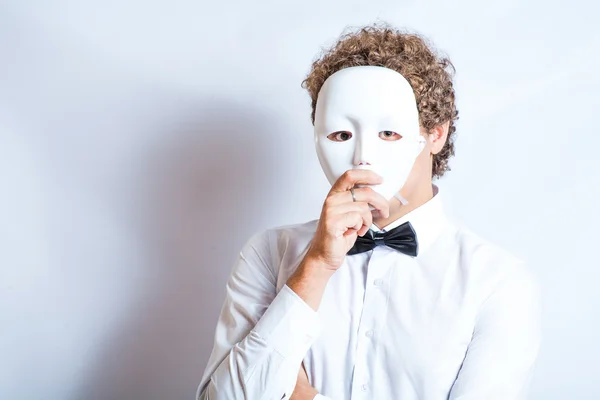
(340, 136)
(390, 135)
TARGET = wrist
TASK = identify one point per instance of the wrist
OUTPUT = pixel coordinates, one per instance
(315, 269)
(309, 281)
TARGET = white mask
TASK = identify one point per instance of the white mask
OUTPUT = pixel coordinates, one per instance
(366, 117)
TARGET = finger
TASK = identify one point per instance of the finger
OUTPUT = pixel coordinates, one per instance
(350, 232)
(365, 194)
(355, 176)
(336, 224)
(365, 214)
(370, 196)
(350, 220)
(362, 208)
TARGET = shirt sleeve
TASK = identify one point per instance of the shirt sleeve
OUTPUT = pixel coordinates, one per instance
(319, 396)
(261, 336)
(500, 358)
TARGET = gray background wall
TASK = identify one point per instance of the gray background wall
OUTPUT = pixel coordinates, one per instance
(142, 142)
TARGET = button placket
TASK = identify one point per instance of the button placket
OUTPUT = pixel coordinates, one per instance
(374, 310)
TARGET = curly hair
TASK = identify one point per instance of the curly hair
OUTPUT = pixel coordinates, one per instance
(409, 53)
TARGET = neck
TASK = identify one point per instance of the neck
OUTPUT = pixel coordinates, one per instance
(416, 198)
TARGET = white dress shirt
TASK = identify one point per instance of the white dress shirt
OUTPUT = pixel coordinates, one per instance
(459, 321)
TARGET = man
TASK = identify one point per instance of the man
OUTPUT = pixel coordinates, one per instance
(382, 297)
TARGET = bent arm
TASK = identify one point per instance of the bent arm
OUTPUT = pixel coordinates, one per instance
(261, 335)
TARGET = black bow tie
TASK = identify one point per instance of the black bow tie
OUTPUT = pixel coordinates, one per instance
(402, 238)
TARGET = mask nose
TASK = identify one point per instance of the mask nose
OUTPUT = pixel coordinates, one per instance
(363, 152)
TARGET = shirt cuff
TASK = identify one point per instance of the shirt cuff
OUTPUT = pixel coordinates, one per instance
(289, 325)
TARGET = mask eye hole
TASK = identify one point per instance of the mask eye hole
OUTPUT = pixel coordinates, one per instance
(390, 135)
(340, 136)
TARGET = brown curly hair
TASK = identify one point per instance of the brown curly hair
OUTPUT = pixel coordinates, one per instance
(408, 53)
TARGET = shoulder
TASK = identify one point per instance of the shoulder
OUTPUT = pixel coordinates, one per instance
(483, 253)
(281, 247)
(283, 236)
(293, 235)
(492, 267)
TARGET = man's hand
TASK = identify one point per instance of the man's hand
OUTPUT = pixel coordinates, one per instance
(303, 390)
(342, 220)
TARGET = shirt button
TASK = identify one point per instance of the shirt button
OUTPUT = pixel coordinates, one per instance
(363, 387)
(378, 282)
(369, 333)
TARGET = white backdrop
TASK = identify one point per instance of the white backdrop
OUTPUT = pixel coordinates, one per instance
(143, 142)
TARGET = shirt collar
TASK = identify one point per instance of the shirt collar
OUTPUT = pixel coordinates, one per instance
(427, 220)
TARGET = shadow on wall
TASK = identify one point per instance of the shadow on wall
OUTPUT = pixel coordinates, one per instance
(202, 199)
